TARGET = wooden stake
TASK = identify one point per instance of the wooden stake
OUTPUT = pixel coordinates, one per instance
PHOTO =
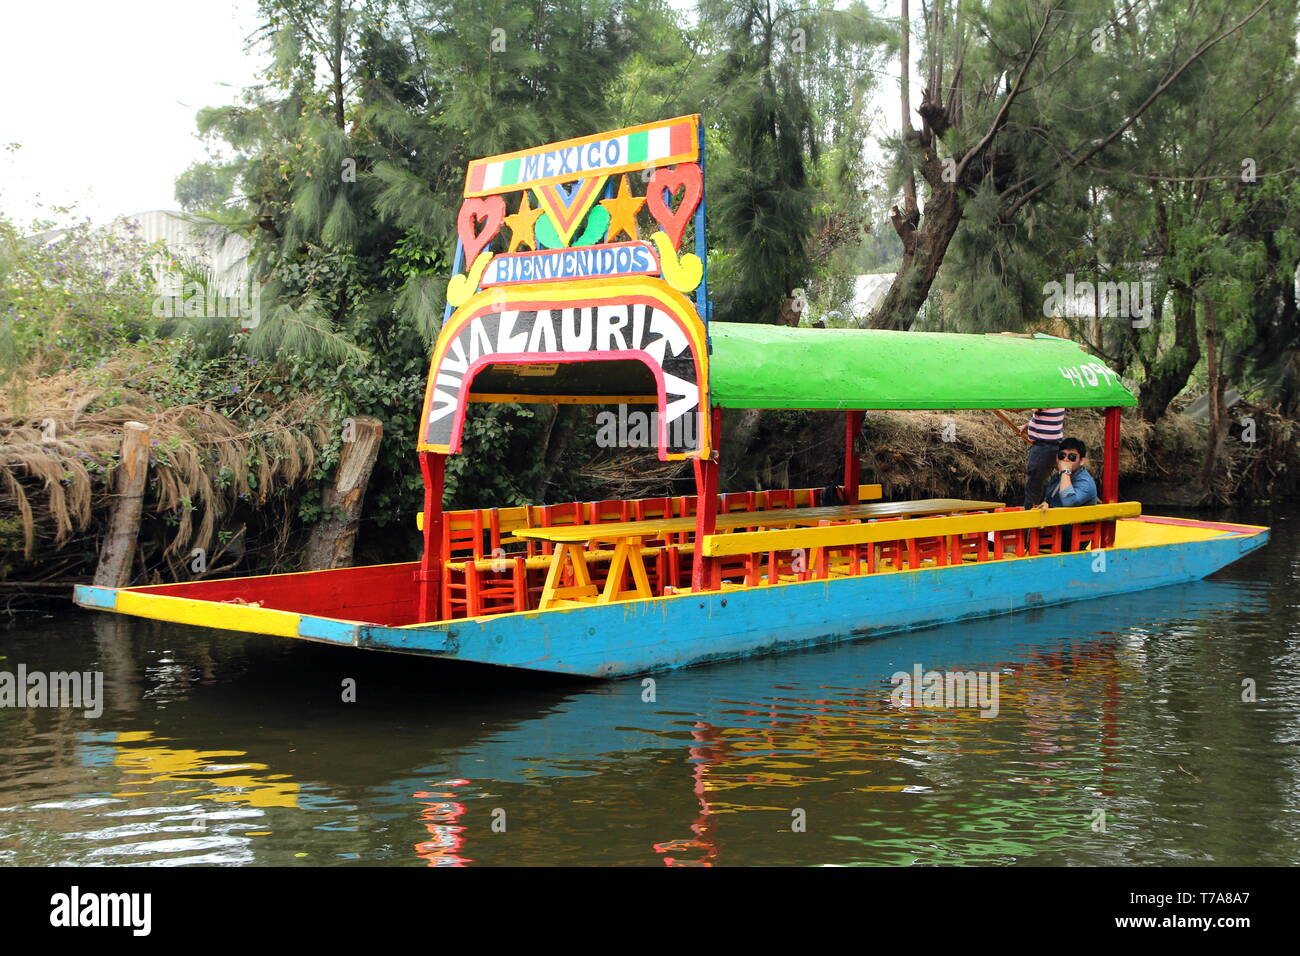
(335, 535)
(117, 553)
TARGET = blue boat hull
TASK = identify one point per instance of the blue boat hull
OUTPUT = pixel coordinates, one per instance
(640, 637)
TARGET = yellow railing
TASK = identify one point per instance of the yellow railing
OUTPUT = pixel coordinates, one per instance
(832, 536)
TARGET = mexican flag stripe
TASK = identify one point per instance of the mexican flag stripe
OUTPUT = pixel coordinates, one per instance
(654, 144)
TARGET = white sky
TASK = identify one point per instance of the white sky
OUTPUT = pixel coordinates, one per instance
(101, 96)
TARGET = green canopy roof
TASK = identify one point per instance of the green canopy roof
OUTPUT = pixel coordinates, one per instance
(772, 366)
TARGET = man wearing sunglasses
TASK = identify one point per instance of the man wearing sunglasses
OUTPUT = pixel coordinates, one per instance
(1071, 486)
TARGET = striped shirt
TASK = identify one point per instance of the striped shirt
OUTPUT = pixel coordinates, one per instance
(1047, 424)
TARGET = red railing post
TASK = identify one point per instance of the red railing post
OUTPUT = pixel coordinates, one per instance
(429, 577)
(1110, 474)
(706, 511)
(852, 465)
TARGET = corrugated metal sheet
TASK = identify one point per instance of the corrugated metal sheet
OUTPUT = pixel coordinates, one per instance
(214, 251)
(220, 253)
(869, 291)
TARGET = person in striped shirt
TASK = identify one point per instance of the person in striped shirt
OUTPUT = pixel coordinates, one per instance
(1045, 429)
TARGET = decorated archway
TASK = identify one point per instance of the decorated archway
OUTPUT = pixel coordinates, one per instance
(580, 277)
(596, 341)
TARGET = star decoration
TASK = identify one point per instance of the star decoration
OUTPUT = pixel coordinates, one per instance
(622, 211)
(521, 225)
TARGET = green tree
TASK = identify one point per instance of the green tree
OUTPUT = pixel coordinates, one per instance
(788, 85)
(205, 186)
(1001, 124)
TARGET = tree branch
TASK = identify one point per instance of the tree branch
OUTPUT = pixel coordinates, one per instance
(1101, 144)
(1001, 118)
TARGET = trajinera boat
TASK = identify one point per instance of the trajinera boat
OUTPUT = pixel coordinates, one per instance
(591, 294)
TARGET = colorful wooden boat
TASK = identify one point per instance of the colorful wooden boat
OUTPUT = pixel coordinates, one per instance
(573, 300)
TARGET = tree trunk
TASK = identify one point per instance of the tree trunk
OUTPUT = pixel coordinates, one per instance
(559, 436)
(544, 451)
(335, 535)
(905, 90)
(738, 432)
(336, 66)
(1163, 384)
(1215, 381)
(923, 251)
(117, 554)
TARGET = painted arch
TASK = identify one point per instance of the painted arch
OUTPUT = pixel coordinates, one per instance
(633, 339)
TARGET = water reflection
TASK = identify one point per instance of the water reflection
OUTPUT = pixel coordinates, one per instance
(224, 782)
(1120, 738)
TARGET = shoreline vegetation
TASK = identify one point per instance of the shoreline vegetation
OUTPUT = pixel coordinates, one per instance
(1159, 228)
(242, 485)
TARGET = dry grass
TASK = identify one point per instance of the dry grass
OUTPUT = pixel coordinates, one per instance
(60, 439)
(931, 454)
(907, 452)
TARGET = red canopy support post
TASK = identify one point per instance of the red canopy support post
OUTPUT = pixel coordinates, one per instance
(852, 465)
(706, 508)
(1110, 476)
(429, 577)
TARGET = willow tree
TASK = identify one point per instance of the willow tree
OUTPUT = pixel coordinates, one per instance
(1195, 203)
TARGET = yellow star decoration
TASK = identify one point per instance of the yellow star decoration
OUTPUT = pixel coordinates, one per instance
(521, 225)
(622, 211)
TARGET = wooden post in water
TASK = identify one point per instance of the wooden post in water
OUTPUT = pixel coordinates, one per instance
(117, 553)
(335, 535)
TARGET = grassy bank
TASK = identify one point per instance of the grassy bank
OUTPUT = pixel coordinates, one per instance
(241, 453)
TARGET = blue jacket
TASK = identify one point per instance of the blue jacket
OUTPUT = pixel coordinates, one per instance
(1083, 490)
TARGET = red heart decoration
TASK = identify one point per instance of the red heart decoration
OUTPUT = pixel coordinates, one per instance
(490, 211)
(674, 221)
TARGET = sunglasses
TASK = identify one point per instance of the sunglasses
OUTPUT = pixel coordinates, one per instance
(1067, 456)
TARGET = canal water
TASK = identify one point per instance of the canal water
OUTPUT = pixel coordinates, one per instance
(1121, 737)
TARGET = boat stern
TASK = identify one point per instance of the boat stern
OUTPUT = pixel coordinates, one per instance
(350, 607)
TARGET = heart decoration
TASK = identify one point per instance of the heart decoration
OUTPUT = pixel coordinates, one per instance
(490, 211)
(674, 221)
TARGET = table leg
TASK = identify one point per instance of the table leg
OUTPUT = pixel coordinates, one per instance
(627, 554)
(552, 594)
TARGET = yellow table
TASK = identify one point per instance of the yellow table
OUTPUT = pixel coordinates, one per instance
(572, 540)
